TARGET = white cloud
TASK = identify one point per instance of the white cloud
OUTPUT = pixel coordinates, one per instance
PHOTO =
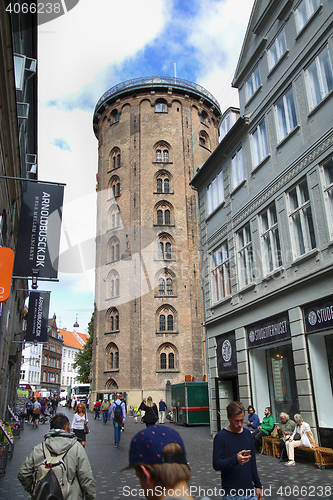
(217, 33)
(75, 47)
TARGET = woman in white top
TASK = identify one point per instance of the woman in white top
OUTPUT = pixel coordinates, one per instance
(302, 436)
(79, 419)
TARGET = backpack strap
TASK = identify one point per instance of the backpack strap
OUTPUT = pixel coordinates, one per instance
(48, 456)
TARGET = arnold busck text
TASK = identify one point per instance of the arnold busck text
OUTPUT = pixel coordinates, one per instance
(42, 233)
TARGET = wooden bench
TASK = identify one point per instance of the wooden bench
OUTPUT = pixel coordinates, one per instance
(268, 443)
(322, 456)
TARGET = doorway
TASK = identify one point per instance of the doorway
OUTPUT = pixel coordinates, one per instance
(226, 392)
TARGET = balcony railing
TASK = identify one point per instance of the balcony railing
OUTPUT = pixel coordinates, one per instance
(157, 81)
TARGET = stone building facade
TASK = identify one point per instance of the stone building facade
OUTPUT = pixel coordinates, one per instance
(267, 243)
(153, 133)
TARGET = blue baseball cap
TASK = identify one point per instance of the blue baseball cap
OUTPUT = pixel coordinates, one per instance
(146, 447)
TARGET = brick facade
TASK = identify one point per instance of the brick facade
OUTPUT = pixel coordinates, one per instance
(147, 255)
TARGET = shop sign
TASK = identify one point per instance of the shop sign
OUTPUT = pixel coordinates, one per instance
(266, 332)
(38, 238)
(38, 314)
(318, 316)
(226, 355)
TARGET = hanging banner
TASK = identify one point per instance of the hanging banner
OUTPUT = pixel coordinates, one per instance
(6, 270)
(39, 231)
(226, 354)
(38, 313)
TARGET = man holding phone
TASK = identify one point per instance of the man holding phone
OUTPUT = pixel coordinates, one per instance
(234, 456)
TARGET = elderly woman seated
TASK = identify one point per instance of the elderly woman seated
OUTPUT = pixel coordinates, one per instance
(285, 429)
(302, 436)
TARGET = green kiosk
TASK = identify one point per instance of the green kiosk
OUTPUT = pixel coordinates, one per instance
(190, 404)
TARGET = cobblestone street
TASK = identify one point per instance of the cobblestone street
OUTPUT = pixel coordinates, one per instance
(305, 481)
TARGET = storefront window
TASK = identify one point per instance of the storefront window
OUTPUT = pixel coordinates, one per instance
(282, 380)
(329, 350)
(321, 362)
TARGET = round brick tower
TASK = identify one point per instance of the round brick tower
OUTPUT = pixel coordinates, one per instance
(153, 134)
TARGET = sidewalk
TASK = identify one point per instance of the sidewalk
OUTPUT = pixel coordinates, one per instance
(303, 482)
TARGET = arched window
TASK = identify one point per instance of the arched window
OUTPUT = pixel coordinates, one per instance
(161, 106)
(163, 361)
(163, 213)
(114, 158)
(169, 286)
(164, 247)
(162, 152)
(162, 323)
(161, 286)
(160, 217)
(114, 217)
(113, 284)
(113, 250)
(166, 319)
(112, 319)
(114, 187)
(204, 139)
(115, 116)
(167, 355)
(163, 181)
(158, 155)
(203, 117)
(112, 357)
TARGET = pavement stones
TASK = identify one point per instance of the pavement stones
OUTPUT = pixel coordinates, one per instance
(302, 482)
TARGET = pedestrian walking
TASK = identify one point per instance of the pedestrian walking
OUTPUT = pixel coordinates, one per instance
(79, 421)
(36, 412)
(97, 408)
(159, 458)
(151, 413)
(29, 408)
(162, 407)
(59, 441)
(234, 456)
(118, 415)
(123, 401)
(105, 408)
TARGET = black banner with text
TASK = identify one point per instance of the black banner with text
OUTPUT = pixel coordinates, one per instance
(38, 313)
(39, 231)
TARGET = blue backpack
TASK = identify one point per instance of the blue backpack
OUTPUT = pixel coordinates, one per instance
(118, 412)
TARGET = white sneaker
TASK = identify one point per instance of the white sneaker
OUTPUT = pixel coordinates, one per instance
(291, 463)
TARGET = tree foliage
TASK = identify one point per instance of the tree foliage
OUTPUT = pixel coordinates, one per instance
(83, 358)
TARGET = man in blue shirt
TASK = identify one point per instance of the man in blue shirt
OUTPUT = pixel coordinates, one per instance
(118, 417)
(234, 456)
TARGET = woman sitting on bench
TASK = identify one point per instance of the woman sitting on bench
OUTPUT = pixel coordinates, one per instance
(302, 436)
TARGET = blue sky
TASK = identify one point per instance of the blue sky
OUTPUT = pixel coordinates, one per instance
(84, 53)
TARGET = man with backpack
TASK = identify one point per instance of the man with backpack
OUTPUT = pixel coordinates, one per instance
(59, 467)
(118, 413)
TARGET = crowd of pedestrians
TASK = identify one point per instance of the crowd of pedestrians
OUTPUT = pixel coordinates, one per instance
(157, 453)
(37, 407)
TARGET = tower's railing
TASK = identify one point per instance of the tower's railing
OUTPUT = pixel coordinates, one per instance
(157, 81)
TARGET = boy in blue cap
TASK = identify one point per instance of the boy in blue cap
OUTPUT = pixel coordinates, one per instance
(159, 458)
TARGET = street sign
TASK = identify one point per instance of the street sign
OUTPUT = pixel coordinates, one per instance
(6, 271)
